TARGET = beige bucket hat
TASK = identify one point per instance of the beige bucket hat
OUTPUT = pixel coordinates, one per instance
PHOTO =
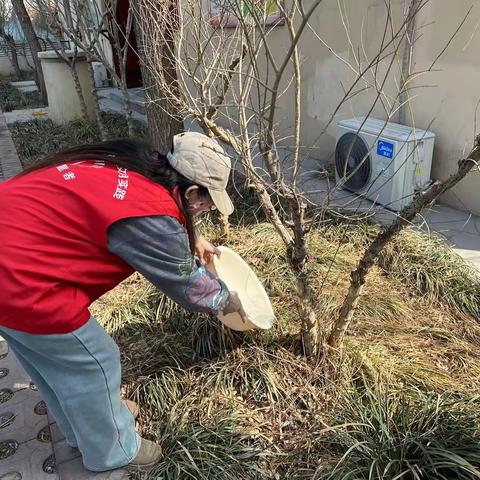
(203, 161)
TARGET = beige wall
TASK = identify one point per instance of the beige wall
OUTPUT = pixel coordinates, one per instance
(443, 101)
(451, 103)
(63, 102)
(325, 74)
(6, 68)
(449, 100)
(327, 69)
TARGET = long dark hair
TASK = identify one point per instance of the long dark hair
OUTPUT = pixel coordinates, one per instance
(132, 155)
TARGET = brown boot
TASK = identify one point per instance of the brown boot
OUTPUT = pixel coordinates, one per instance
(148, 455)
(132, 407)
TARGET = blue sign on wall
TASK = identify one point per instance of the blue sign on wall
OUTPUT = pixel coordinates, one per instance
(385, 149)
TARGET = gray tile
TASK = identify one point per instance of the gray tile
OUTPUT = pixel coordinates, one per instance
(26, 115)
(466, 241)
(51, 418)
(64, 453)
(3, 348)
(74, 470)
(109, 105)
(26, 395)
(17, 378)
(9, 161)
(20, 420)
(28, 460)
(28, 89)
(56, 433)
(24, 83)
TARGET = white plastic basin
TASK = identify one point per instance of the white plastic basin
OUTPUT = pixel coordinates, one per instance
(239, 277)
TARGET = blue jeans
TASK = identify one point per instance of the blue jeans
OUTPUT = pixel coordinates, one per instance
(78, 375)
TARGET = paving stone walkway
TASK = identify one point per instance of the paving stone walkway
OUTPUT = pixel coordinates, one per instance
(9, 162)
(32, 446)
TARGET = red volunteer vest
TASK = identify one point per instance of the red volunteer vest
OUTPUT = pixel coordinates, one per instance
(54, 259)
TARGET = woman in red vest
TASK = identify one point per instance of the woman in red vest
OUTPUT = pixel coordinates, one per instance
(72, 228)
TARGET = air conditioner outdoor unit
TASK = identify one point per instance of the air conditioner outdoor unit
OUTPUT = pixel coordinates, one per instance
(100, 75)
(383, 162)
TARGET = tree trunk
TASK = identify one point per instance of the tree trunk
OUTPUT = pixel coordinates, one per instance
(78, 88)
(298, 258)
(306, 306)
(224, 227)
(128, 106)
(29, 32)
(120, 50)
(163, 123)
(96, 104)
(404, 218)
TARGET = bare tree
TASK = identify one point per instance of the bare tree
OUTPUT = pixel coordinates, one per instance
(48, 18)
(403, 220)
(29, 32)
(422, 199)
(95, 24)
(119, 37)
(231, 82)
(5, 16)
(93, 29)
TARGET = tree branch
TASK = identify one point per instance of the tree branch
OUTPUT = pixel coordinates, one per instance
(405, 217)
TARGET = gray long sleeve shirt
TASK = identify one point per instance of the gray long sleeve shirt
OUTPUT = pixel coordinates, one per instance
(158, 248)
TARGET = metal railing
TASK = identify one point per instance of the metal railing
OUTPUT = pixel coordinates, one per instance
(23, 49)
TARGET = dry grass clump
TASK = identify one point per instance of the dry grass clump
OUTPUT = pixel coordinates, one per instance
(227, 405)
(422, 261)
(39, 138)
(387, 434)
(435, 270)
(11, 98)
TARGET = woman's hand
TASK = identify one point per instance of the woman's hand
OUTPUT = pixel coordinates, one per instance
(204, 249)
(235, 305)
